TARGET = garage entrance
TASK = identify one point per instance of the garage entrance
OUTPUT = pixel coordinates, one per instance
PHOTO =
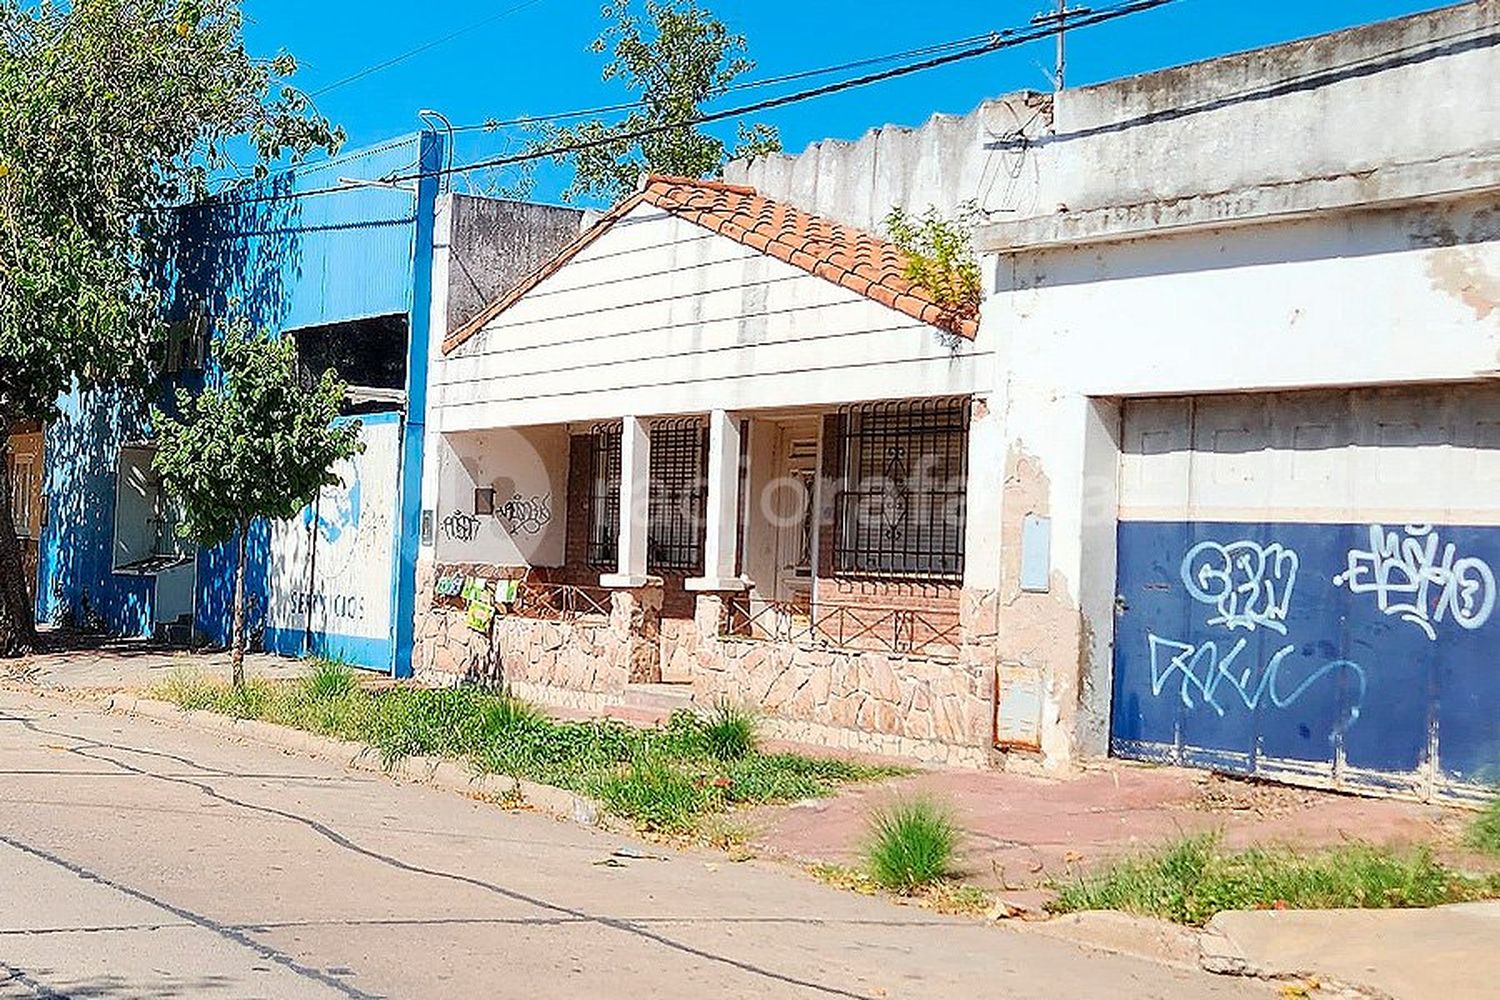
(1306, 586)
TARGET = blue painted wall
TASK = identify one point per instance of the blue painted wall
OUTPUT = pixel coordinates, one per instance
(1277, 648)
(281, 258)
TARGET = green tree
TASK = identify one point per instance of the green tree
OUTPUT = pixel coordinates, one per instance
(674, 60)
(259, 441)
(111, 113)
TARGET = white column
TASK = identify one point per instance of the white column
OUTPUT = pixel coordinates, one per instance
(985, 486)
(723, 505)
(635, 496)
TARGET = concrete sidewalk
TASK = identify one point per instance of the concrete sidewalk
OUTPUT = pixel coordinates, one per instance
(1021, 831)
(82, 663)
(1450, 952)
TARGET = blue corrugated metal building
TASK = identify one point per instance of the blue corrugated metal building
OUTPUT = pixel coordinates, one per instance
(348, 272)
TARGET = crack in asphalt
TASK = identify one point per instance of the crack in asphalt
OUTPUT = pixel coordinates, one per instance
(343, 842)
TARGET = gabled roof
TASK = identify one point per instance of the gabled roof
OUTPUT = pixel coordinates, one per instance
(857, 260)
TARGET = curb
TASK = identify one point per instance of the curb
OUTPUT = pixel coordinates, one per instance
(436, 772)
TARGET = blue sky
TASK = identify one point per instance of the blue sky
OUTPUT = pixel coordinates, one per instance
(535, 60)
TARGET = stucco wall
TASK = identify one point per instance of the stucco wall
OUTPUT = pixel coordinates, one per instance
(950, 159)
(491, 244)
(528, 471)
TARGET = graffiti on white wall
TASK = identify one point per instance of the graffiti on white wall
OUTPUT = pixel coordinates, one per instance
(526, 515)
(331, 567)
(1420, 579)
(1249, 583)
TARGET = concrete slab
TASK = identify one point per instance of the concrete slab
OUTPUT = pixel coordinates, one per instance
(1448, 951)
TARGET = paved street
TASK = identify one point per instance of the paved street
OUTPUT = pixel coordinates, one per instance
(139, 860)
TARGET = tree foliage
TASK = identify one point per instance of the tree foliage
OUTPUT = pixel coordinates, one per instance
(258, 441)
(940, 256)
(111, 113)
(674, 59)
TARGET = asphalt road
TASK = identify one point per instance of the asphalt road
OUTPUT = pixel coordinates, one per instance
(142, 860)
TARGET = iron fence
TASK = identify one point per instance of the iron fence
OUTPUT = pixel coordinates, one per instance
(855, 627)
(559, 602)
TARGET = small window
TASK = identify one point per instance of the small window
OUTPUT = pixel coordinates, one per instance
(146, 520)
(604, 496)
(902, 503)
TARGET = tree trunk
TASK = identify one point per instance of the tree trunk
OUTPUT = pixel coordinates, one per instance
(17, 621)
(237, 643)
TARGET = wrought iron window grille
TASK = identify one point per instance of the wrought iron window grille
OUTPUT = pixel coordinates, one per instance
(902, 501)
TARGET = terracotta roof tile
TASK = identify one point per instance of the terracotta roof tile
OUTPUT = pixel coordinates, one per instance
(852, 258)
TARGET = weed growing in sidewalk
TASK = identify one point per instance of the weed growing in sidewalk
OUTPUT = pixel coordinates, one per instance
(911, 845)
(666, 778)
(1484, 831)
(1191, 880)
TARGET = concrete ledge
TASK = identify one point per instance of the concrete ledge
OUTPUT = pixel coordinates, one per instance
(437, 772)
(1385, 187)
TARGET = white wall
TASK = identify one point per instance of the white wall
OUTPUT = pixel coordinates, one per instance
(660, 317)
(343, 589)
(528, 470)
(1368, 298)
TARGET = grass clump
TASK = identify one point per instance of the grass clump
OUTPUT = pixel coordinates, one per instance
(729, 732)
(329, 679)
(1191, 880)
(667, 778)
(1484, 831)
(911, 845)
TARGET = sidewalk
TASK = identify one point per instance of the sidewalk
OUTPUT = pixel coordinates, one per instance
(80, 663)
(1020, 831)
(1447, 952)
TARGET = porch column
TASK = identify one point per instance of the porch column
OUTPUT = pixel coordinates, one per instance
(635, 497)
(723, 506)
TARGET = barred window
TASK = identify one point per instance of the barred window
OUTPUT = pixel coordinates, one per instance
(604, 496)
(677, 503)
(902, 504)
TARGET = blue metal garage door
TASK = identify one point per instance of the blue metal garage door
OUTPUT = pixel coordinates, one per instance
(1305, 587)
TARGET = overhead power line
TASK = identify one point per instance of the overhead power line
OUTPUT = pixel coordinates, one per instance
(409, 53)
(1004, 39)
(494, 124)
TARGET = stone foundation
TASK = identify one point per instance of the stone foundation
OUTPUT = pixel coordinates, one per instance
(932, 709)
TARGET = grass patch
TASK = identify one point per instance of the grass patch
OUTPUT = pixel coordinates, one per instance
(666, 779)
(1484, 832)
(729, 732)
(947, 895)
(1191, 880)
(911, 845)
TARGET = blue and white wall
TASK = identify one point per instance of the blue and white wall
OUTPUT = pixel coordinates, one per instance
(1251, 396)
(282, 258)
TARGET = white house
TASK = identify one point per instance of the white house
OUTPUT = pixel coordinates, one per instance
(726, 451)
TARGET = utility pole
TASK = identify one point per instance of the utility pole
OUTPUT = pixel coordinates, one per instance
(1059, 18)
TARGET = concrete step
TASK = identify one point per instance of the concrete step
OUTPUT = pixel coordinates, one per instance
(660, 699)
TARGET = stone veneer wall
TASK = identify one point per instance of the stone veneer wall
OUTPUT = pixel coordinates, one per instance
(582, 664)
(931, 709)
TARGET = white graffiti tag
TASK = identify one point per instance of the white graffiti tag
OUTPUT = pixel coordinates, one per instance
(1415, 576)
(1206, 674)
(1250, 583)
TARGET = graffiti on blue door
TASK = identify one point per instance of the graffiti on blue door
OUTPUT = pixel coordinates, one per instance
(1364, 649)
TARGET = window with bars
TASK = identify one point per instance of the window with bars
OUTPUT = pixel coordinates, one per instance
(677, 504)
(604, 496)
(679, 495)
(902, 503)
